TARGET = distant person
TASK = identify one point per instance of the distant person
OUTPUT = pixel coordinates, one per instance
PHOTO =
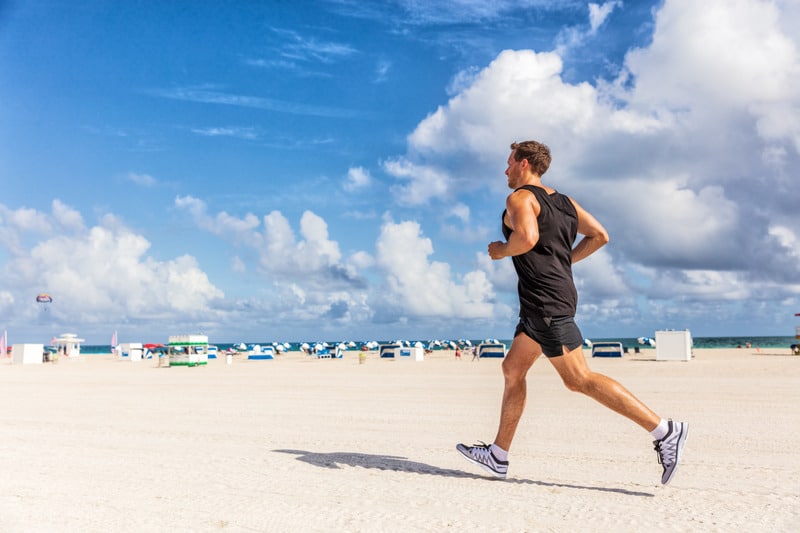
(540, 226)
(458, 354)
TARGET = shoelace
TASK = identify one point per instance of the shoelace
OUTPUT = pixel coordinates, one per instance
(482, 450)
(667, 449)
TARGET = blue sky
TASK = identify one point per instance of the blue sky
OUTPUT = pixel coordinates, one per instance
(333, 169)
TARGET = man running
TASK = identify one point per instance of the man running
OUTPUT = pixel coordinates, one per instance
(540, 226)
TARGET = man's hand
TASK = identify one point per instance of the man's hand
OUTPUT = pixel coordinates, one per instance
(497, 250)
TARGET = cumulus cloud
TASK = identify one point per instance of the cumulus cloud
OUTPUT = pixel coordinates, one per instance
(223, 224)
(420, 183)
(357, 178)
(101, 273)
(305, 276)
(685, 156)
(421, 287)
(309, 277)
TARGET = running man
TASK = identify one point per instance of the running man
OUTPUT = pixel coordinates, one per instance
(540, 226)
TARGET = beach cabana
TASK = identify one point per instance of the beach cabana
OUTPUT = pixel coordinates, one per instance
(27, 354)
(491, 349)
(389, 351)
(607, 349)
(131, 351)
(264, 353)
(672, 345)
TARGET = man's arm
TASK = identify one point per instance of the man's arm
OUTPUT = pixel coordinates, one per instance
(521, 208)
(595, 235)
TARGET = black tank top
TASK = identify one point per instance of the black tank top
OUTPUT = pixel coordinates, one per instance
(546, 287)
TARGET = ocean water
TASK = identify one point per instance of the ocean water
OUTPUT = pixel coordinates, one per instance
(719, 342)
(630, 342)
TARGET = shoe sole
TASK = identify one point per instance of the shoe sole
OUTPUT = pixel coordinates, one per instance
(681, 442)
(496, 474)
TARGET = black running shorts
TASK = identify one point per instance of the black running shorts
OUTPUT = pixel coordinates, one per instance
(551, 333)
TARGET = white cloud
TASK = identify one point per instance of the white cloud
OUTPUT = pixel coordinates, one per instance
(357, 178)
(686, 157)
(67, 217)
(420, 287)
(144, 180)
(26, 220)
(422, 183)
(103, 274)
(223, 224)
(461, 229)
(229, 131)
(460, 211)
(598, 13)
(305, 277)
(382, 71)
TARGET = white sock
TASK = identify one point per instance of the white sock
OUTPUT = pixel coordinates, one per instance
(661, 430)
(499, 452)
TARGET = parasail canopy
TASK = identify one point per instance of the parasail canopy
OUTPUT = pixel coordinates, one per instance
(44, 298)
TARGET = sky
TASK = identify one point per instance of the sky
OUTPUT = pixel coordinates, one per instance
(334, 169)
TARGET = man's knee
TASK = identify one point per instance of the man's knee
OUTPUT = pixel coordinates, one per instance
(513, 370)
(578, 382)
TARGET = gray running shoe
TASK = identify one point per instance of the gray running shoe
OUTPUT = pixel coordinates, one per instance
(670, 449)
(481, 455)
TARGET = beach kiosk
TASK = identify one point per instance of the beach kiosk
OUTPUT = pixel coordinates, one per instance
(672, 345)
(187, 350)
(68, 344)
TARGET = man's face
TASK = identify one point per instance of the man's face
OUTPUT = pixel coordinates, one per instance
(514, 171)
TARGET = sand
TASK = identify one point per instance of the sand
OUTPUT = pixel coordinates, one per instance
(301, 444)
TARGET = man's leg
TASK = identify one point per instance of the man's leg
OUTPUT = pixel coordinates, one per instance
(670, 436)
(577, 377)
(494, 457)
(520, 357)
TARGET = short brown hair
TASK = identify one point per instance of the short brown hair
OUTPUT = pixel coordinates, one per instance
(537, 154)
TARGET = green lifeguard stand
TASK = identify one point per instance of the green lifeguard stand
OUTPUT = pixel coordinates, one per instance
(187, 350)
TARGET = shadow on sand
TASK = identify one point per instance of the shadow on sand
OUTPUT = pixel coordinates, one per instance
(402, 464)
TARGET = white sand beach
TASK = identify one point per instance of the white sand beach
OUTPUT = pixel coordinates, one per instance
(301, 444)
